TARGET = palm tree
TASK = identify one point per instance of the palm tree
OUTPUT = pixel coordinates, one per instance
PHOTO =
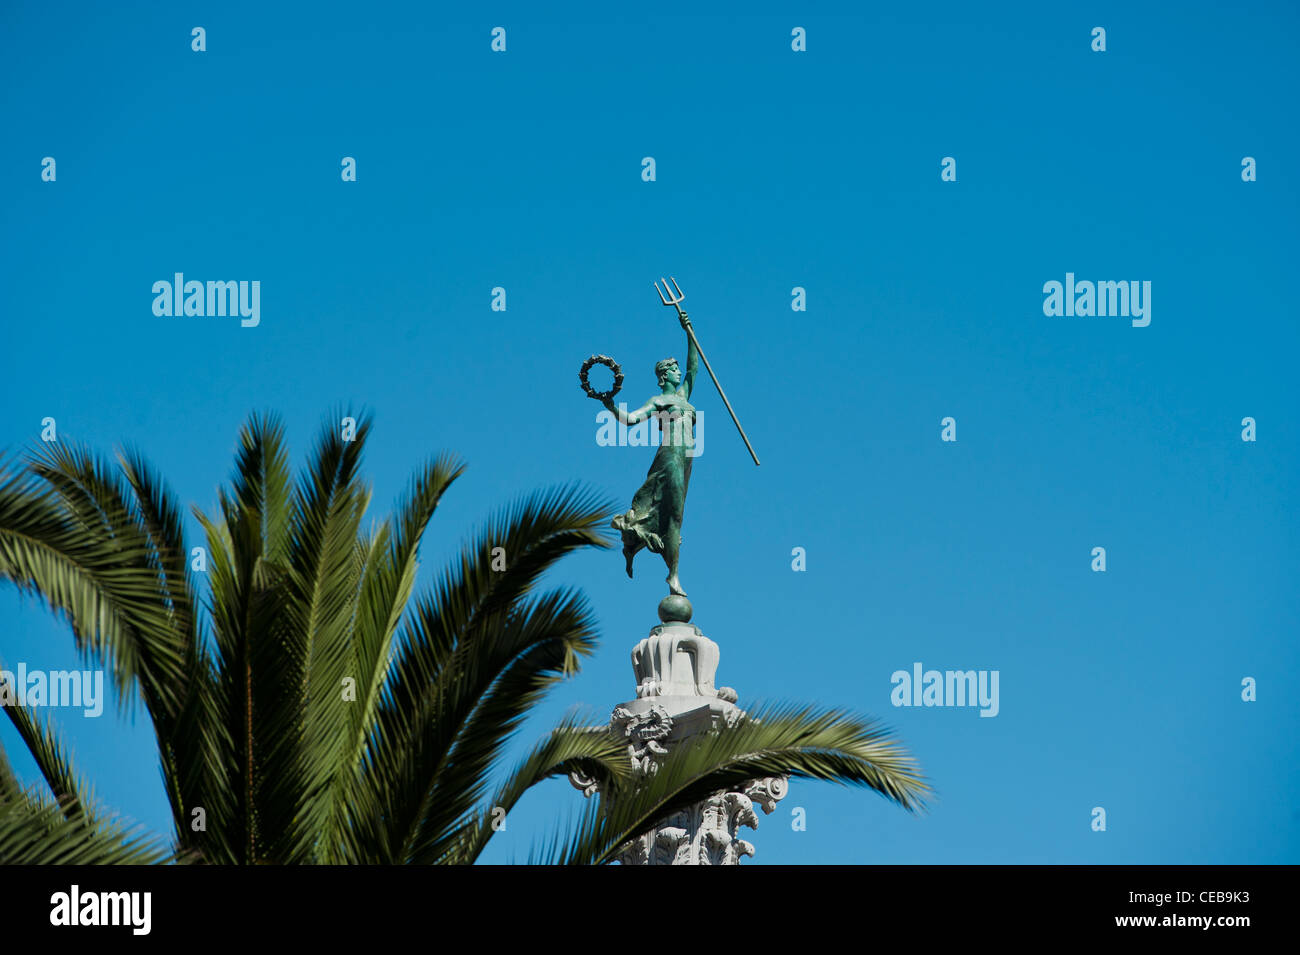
(309, 710)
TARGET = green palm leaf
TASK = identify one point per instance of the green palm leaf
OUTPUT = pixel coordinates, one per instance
(89, 561)
(52, 760)
(468, 635)
(40, 833)
(774, 740)
(570, 747)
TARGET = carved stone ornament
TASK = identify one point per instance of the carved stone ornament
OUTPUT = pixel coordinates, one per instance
(709, 832)
(677, 701)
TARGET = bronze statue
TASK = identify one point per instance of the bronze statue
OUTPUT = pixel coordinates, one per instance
(654, 520)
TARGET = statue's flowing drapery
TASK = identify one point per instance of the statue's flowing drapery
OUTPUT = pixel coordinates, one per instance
(656, 513)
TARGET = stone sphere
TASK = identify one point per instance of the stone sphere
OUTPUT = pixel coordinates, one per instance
(675, 609)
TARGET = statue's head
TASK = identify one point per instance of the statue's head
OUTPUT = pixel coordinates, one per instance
(667, 371)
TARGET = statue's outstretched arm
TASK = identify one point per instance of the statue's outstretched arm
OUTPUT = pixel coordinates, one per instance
(628, 420)
(692, 358)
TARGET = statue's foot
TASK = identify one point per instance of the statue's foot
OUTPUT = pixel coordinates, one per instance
(629, 554)
(675, 585)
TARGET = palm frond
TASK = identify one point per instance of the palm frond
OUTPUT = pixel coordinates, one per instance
(160, 518)
(389, 565)
(68, 536)
(104, 505)
(309, 717)
(548, 635)
(257, 665)
(572, 746)
(52, 760)
(776, 740)
(10, 787)
(39, 832)
(189, 739)
(461, 639)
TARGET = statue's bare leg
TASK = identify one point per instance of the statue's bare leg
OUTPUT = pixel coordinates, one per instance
(672, 546)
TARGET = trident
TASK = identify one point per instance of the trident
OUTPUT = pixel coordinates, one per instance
(674, 300)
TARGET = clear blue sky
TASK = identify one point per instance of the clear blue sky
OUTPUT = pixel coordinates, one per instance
(775, 169)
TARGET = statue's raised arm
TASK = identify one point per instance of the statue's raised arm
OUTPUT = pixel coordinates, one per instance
(692, 358)
(672, 296)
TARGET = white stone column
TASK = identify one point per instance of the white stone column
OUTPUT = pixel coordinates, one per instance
(676, 700)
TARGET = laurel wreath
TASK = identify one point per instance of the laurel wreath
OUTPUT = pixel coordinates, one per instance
(612, 365)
